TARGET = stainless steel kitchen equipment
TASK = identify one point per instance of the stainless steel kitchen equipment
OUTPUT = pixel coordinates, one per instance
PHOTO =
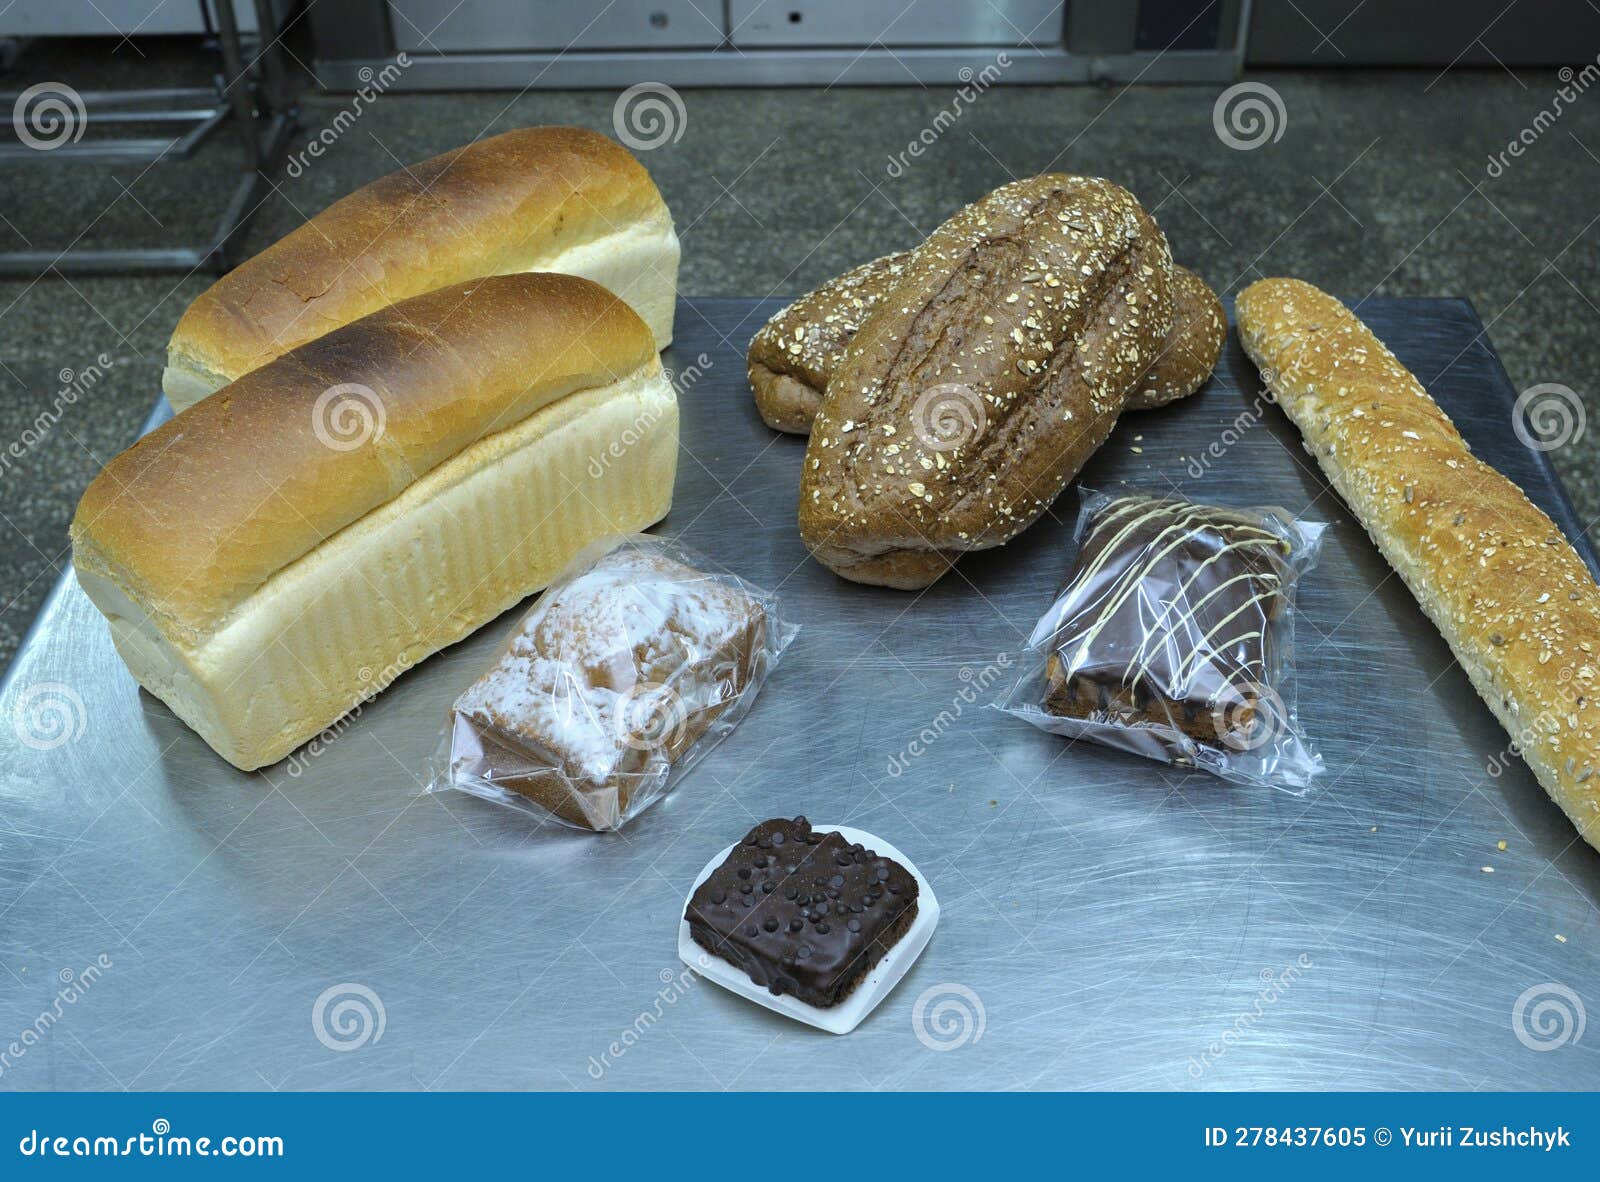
(124, 18)
(519, 44)
(1107, 921)
(54, 123)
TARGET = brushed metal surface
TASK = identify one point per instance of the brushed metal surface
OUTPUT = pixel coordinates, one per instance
(444, 26)
(1115, 920)
(930, 22)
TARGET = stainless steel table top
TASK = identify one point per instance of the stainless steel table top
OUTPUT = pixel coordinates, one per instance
(1108, 922)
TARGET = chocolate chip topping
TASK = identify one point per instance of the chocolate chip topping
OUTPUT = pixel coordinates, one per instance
(788, 935)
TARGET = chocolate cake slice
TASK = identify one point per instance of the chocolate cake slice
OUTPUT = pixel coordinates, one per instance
(803, 913)
(1167, 620)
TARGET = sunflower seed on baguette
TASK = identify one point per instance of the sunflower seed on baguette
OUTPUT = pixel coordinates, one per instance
(1515, 602)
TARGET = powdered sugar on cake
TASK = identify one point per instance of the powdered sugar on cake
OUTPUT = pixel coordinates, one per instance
(617, 670)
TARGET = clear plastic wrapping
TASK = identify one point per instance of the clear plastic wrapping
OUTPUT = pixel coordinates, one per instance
(632, 665)
(1173, 636)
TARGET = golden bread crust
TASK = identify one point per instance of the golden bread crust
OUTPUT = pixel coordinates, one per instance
(1513, 599)
(204, 509)
(493, 206)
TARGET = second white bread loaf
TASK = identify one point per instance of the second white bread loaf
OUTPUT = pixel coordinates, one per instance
(560, 199)
(1514, 600)
(277, 553)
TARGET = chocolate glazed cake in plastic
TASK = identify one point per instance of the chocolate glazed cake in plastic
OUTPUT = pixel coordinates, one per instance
(1171, 638)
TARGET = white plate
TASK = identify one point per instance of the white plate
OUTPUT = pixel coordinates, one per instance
(883, 977)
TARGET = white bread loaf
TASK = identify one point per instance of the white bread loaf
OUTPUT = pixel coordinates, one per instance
(559, 199)
(1514, 600)
(278, 553)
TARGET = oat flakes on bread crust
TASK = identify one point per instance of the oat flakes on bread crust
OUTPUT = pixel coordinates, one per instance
(1034, 312)
(795, 352)
(1513, 599)
(1193, 344)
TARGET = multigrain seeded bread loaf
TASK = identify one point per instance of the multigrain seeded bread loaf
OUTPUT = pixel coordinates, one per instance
(991, 371)
(1513, 599)
(1190, 351)
(795, 352)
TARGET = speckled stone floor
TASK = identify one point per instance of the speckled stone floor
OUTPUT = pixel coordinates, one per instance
(1378, 183)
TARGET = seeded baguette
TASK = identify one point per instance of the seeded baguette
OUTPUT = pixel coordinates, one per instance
(1515, 602)
(795, 352)
(988, 375)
